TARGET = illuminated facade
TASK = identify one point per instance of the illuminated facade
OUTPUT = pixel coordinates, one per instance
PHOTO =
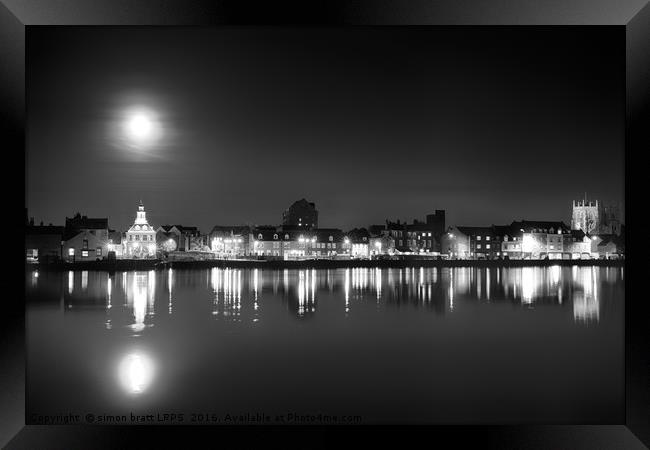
(140, 239)
(595, 218)
(585, 216)
(178, 238)
(538, 240)
(85, 246)
(230, 241)
(85, 239)
(359, 243)
(521, 239)
(294, 244)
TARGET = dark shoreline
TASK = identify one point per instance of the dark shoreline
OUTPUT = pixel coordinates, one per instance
(125, 265)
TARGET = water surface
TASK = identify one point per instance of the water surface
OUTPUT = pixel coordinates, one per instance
(425, 345)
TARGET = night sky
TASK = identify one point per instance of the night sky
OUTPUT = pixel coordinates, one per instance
(492, 124)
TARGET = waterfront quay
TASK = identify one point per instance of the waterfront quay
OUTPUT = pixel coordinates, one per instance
(154, 264)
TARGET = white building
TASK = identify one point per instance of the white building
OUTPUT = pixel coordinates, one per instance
(140, 240)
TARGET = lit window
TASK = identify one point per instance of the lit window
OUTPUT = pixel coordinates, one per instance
(487, 245)
(487, 238)
(71, 251)
(98, 251)
(478, 238)
(275, 236)
(286, 236)
(84, 253)
(331, 238)
(478, 245)
(259, 236)
(429, 234)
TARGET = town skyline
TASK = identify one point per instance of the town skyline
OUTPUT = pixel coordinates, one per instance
(325, 225)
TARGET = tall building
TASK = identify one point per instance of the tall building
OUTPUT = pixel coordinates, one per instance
(141, 238)
(595, 218)
(437, 223)
(301, 214)
(585, 216)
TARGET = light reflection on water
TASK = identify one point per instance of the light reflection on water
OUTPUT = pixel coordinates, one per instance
(135, 372)
(445, 290)
(161, 328)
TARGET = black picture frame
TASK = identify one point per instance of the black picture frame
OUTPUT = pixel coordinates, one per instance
(632, 15)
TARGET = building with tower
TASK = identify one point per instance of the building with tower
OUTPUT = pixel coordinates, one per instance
(140, 239)
(585, 216)
(593, 218)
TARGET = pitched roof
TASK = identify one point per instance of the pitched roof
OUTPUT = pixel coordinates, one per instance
(181, 228)
(474, 230)
(578, 234)
(539, 224)
(234, 229)
(184, 229)
(357, 235)
(501, 230)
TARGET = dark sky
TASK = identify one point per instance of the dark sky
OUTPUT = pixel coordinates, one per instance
(493, 124)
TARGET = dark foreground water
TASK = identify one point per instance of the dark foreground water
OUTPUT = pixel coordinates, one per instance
(425, 345)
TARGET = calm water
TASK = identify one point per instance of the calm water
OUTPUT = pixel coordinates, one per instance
(423, 345)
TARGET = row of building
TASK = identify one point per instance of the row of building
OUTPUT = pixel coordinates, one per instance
(299, 236)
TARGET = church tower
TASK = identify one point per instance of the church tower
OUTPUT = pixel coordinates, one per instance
(586, 216)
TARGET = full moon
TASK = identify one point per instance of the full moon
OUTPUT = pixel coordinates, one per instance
(140, 127)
